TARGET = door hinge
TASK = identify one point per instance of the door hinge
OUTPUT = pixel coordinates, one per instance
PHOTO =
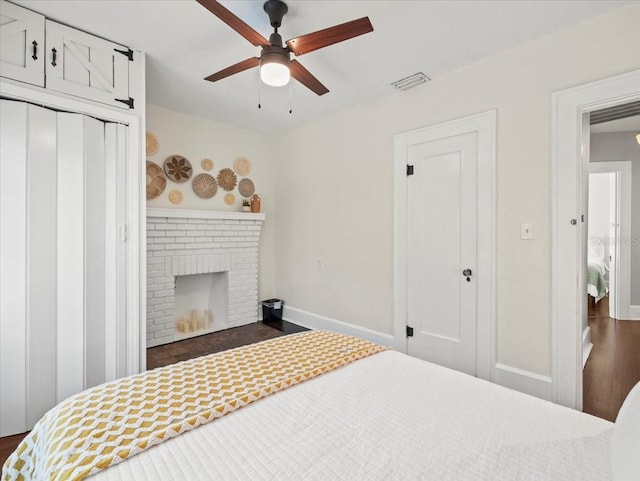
(128, 101)
(123, 233)
(409, 331)
(582, 217)
(409, 169)
(127, 53)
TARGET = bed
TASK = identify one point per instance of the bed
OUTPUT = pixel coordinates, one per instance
(597, 286)
(385, 415)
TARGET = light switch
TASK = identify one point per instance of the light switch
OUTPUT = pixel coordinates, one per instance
(526, 231)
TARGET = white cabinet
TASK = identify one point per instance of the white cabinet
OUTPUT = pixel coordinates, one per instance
(21, 44)
(61, 58)
(87, 66)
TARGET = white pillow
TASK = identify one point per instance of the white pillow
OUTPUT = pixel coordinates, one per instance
(626, 439)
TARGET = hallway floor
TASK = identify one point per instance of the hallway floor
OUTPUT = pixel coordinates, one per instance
(613, 367)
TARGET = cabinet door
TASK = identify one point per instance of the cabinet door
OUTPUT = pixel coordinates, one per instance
(21, 44)
(86, 66)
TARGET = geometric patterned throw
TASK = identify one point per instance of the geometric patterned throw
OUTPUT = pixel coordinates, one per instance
(106, 424)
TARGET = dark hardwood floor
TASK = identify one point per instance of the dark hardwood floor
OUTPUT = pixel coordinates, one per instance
(218, 341)
(613, 367)
(188, 349)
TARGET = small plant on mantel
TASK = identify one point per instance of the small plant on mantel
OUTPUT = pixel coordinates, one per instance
(246, 205)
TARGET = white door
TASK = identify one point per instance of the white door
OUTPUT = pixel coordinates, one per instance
(441, 251)
(62, 264)
(22, 47)
(86, 66)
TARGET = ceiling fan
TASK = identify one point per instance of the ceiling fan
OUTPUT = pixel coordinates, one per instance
(276, 65)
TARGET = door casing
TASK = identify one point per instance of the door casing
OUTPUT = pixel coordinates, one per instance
(484, 126)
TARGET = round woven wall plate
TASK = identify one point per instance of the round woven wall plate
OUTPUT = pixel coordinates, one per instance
(206, 164)
(242, 166)
(227, 179)
(152, 144)
(156, 181)
(178, 168)
(204, 186)
(175, 196)
(246, 188)
(229, 199)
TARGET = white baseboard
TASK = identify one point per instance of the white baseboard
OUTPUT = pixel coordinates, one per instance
(524, 381)
(316, 321)
(586, 345)
(634, 313)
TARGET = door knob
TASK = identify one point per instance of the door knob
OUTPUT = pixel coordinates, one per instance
(467, 273)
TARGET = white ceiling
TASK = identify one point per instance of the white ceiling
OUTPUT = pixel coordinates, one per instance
(184, 43)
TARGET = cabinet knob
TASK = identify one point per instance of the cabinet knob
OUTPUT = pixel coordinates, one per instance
(35, 50)
(54, 56)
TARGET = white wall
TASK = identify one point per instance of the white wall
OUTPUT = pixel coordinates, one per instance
(338, 176)
(197, 138)
(600, 199)
(623, 146)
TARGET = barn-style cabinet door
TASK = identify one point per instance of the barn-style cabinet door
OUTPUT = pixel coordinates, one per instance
(87, 66)
(22, 46)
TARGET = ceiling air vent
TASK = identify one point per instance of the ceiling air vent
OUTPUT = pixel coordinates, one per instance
(411, 81)
(614, 113)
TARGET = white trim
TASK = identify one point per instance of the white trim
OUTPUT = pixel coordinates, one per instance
(136, 249)
(316, 321)
(587, 345)
(568, 242)
(524, 381)
(621, 293)
(484, 124)
(203, 214)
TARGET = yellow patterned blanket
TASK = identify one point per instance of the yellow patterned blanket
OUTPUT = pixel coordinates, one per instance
(109, 423)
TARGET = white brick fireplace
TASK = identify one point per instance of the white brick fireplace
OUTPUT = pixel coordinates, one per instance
(215, 251)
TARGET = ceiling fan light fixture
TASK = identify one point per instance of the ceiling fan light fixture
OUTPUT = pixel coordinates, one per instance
(274, 69)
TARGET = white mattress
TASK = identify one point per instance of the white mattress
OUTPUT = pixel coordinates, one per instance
(391, 417)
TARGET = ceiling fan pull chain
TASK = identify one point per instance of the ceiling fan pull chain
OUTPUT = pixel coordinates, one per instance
(259, 91)
(290, 95)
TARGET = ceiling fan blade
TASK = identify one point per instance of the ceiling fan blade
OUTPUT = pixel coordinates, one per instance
(234, 22)
(239, 67)
(323, 38)
(303, 76)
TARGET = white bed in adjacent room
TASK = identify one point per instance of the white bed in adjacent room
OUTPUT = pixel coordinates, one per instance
(387, 416)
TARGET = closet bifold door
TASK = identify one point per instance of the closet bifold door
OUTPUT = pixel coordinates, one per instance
(27, 264)
(62, 258)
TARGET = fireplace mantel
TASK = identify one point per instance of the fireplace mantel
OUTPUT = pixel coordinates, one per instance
(203, 214)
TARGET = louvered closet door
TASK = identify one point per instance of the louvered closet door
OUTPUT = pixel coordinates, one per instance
(62, 262)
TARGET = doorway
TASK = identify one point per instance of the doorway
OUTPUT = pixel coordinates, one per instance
(445, 244)
(570, 141)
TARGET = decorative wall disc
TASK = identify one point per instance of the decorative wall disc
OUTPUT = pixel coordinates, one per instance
(207, 164)
(178, 168)
(229, 199)
(152, 144)
(156, 181)
(204, 186)
(227, 179)
(242, 166)
(246, 188)
(175, 196)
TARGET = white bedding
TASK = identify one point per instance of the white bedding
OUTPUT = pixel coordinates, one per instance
(388, 416)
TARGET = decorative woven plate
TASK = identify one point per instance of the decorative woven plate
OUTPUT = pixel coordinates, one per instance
(229, 199)
(246, 188)
(175, 196)
(178, 168)
(227, 179)
(207, 164)
(152, 144)
(156, 181)
(242, 166)
(204, 186)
